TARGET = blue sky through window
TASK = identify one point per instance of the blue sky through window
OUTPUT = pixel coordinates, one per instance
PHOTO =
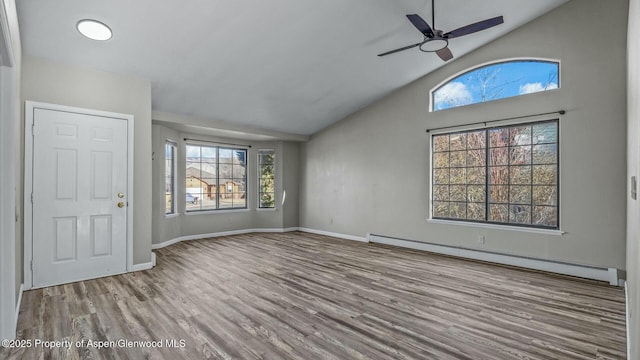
(497, 81)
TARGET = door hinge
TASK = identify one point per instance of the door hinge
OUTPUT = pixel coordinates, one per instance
(31, 265)
(33, 129)
(32, 198)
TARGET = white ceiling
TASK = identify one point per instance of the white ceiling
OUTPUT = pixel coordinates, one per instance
(294, 66)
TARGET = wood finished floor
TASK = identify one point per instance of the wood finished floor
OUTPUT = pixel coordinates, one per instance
(304, 296)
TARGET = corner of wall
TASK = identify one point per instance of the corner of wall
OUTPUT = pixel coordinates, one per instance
(633, 169)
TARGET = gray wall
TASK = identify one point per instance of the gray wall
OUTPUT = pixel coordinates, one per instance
(166, 228)
(291, 169)
(633, 166)
(51, 82)
(369, 173)
(163, 228)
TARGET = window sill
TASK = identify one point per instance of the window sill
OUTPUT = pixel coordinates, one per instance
(213, 212)
(498, 227)
(266, 209)
(168, 216)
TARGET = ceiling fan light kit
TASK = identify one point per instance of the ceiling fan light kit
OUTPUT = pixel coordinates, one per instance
(433, 45)
(436, 40)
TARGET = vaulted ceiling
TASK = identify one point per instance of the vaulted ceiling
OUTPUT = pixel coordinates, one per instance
(294, 66)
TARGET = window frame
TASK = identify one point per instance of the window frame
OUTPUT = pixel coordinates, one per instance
(553, 230)
(217, 148)
(487, 64)
(174, 172)
(259, 178)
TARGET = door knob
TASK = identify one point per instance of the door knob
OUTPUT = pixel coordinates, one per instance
(120, 195)
(120, 204)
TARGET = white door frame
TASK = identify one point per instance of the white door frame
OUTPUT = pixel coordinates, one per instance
(30, 106)
(9, 94)
(8, 223)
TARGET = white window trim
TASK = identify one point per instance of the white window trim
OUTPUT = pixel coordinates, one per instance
(174, 144)
(218, 146)
(486, 225)
(479, 125)
(497, 226)
(219, 211)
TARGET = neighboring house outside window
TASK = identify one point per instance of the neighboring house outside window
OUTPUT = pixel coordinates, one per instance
(170, 177)
(497, 81)
(502, 175)
(216, 178)
(266, 178)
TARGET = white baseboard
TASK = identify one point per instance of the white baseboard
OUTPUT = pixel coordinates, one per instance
(219, 234)
(336, 235)
(628, 318)
(15, 324)
(603, 274)
(290, 229)
(259, 230)
(153, 259)
(143, 266)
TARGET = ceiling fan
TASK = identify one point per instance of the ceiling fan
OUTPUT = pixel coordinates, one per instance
(438, 41)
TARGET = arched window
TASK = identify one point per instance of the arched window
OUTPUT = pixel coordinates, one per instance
(496, 81)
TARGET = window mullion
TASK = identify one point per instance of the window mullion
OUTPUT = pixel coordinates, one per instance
(200, 177)
(486, 175)
(466, 179)
(449, 175)
(557, 205)
(531, 177)
(509, 179)
(217, 177)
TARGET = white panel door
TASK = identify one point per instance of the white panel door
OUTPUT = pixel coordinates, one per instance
(79, 197)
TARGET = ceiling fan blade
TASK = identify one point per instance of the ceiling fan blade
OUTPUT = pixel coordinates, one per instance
(475, 27)
(400, 49)
(445, 54)
(421, 25)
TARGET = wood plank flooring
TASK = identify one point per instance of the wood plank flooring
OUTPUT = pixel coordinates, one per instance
(304, 296)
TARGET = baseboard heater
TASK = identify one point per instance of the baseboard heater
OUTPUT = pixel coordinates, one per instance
(602, 274)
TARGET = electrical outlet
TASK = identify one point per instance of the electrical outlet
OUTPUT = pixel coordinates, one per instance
(481, 239)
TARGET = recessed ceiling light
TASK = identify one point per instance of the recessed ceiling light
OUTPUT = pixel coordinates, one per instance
(94, 30)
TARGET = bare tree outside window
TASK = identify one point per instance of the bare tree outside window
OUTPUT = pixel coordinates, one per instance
(497, 81)
(506, 175)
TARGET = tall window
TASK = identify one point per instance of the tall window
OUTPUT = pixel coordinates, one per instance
(170, 177)
(266, 177)
(216, 178)
(503, 175)
(497, 81)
